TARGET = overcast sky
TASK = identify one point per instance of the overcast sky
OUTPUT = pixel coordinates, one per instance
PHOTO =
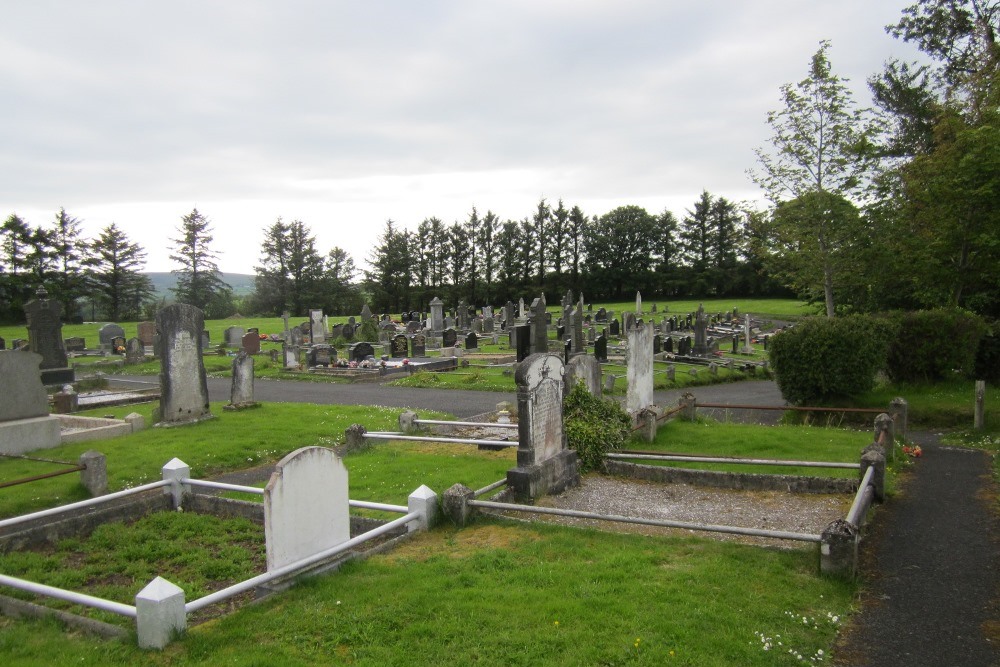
(346, 114)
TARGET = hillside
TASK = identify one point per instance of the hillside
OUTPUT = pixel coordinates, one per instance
(242, 283)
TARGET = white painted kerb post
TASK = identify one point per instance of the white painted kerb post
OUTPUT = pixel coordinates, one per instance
(423, 501)
(160, 614)
(176, 470)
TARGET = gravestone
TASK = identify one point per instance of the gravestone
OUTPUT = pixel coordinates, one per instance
(206, 339)
(413, 326)
(183, 384)
(306, 506)
(233, 336)
(3, 343)
(591, 336)
(75, 344)
(338, 331)
(576, 330)
(25, 423)
(585, 369)
(602, 315)
(539, 328)
(290, 356)
(560, 332)
(146, 332)
(449, 338)
(361, 351)
(509, 314)
(747, 347)
(657, 344)
(45, 338)
(347, 331)
(700, 332)
(477, 325)
(472, 341)
(317, 332)
(418, 345)
(628, 322)
(614, 329)
(437, 315)
(601, 348)
(544, 464)
(488, 325)
(639, 362)
(250, 342)
(400, 346)
(638, 306)
(668, 345)
(135, 351)
(241, 389)
(322, 355)
(366, 313)
(107, 332)
(520, 341)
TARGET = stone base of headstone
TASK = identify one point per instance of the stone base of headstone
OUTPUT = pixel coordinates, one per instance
(165, 424)
(554, 475)
(58, 376)
(234, 407)
(23, 435)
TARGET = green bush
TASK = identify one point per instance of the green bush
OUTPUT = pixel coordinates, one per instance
(988, 356)
(593, 426)
(824, 358)
(932, 345)
(368, 331)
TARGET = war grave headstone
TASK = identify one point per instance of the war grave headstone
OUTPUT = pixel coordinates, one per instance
(135, 351)
(418, 345)
(472, 341)
(400, 346)
(601, 348)
(639, 362)
(183, 383)
(25, 423)
(437, 315)
(544, 464)
(233, 336)
(585, 369)
(306, 506)
(106, 333)
(45, 338)
(449, 338)
(361, 351)
(322, 355)
(250, 342)
(74, 344)
(241, 389)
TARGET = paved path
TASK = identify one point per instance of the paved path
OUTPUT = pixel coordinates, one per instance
(931, 569)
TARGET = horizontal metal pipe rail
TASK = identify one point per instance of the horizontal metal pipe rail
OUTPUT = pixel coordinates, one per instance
(83, 503)
(862, 499)
(69, 596)
(292, 568)
(458, 441)
(35, 478)
(486, 489)
(799, 408)
(722, 459)
(734, 530)
(444, 422)
(361, 504)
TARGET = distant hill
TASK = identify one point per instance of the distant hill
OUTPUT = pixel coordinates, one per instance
(242, 283)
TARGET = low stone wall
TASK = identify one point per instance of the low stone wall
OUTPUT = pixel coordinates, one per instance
(731, 480)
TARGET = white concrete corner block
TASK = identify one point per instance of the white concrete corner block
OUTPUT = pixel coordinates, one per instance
(176, 470)
(160, 614)
(424, 502)
(137, 421)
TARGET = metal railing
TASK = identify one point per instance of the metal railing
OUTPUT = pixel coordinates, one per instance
(650, 456)
(424, 438)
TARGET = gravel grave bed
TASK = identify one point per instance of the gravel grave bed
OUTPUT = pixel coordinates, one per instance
(772, 510)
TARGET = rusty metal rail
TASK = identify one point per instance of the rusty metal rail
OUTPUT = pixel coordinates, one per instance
(35, 478)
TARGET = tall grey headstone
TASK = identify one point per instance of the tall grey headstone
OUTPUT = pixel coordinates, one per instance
(700, 332)
(437, 316)
(183, 384)
(45, 338)
(639, 361)
(25, 423)
(317, 330)
(539, 326)
(241, 390)
(586, 369)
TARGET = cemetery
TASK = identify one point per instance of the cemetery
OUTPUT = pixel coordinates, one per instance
(331, 476)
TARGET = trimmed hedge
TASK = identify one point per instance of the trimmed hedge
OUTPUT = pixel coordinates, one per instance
(824, 358)
(933, 345)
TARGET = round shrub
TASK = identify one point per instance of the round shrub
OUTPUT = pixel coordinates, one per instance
(932, 345)
(593, 426)
(824, 358)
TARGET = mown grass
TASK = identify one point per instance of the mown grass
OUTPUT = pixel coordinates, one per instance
(949, 404)
(500, 593)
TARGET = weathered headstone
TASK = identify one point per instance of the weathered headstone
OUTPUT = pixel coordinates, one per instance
(361, 351)
(290, 355)
(418, 345)
(241, 390)
(585, 369)
(520, 341)
(317, 330)
(472, 341)
(74, 344)
(250, 342)
(639, 362)
(347, 331)
(322, 355)
(135, 351)
(183, 384)
(601, 348)
(544, 464)
(25, 423)
(449, 338)
(107, 332)
(657, 344)
(45, 338)
(638, 305)
(306, 506)
(366, 313)
(233, 336)
(700, 332)
(437, 315)
(400, 346)
(614, 329)
(539, 326)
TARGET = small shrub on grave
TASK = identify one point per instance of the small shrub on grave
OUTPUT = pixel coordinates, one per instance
(593, 426)
(932, 345)
(824, 358)
(367, 332)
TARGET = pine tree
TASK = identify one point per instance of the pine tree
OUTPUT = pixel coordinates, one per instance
(199, 279)
(115, 275)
